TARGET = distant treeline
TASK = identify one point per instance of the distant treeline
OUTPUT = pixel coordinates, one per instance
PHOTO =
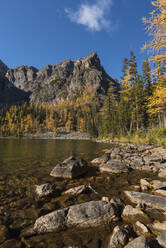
(140, 105)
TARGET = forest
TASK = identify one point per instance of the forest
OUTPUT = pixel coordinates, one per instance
(139, 110)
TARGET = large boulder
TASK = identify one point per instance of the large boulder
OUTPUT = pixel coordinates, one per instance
(85, 215)
(70, 168)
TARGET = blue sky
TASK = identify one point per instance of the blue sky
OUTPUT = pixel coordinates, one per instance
(40, 32)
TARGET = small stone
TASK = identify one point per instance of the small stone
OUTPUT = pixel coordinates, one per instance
(102, 159)
(159, 226)
(162, 239)
(160, 192)
(139, 242)
(162, 173)
(131, 215)
(145, 185)
(105, 198)
(45, 189)
(119, 237)
(157, 184)
(140, 228)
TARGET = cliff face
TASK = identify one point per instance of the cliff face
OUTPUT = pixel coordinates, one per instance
(55, 83)
(9, 94)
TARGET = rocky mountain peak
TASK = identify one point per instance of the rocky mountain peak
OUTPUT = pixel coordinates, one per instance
(60, 82)
(3, 69)
(90, 60)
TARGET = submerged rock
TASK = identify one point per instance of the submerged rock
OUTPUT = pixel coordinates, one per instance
(79, 190)
(114, 166)
(85, 215)
(45, 189)
(150, 200)
(70, 168)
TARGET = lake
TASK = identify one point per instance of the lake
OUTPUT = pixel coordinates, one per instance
(27, 162)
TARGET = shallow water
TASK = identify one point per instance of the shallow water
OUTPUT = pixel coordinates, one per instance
(26, 162)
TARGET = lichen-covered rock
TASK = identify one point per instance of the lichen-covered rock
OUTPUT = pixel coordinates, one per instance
(70, 168)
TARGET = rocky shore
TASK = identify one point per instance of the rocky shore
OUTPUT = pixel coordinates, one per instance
(117, 201)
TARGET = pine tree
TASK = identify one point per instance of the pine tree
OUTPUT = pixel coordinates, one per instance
(109, 113)
(146, 76)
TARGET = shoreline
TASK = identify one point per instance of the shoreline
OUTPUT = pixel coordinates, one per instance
(50, 136)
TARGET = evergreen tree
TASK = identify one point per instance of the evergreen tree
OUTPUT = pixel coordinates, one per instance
(124, 68)
(146, 74)
(109, 113)
(132, 67)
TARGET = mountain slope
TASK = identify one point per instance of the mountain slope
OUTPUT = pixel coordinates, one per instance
(55, 83)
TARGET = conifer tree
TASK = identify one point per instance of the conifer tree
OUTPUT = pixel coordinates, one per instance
(109, 113)
(146, 76)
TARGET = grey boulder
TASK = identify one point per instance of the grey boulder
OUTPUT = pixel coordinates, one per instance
(85, 215)
(70, 168)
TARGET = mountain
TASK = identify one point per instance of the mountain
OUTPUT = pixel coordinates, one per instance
(54, 83)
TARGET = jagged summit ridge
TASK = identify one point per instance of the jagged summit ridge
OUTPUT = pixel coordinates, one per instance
(62, 81)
